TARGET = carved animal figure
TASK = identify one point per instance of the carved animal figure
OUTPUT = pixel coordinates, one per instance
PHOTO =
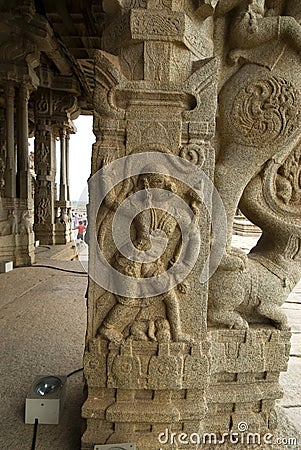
(260, 106)
(273, 267)
(257, 167)
(256, 292)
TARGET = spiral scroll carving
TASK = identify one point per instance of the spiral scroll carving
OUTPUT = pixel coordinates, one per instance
(266, 111)
(288, 182)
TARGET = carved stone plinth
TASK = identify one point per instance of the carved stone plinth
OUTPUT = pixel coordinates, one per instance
(62, 230)
(16, 235)
(244, 377)
(142, 388)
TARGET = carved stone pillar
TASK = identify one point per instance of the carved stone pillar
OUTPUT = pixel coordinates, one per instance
(45, 183)
(23, 175)
(63, 167)
(65, 108)
(18, 60)
(16, 209)
(2, 152)
(167, 360)
(147, 355)
(67, 165)
(45, 168)
(63, 220)
(10, 178)
(52, 116)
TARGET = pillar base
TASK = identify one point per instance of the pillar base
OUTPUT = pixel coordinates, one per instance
(62, 233)
(63, 224)
(45, 233)
(140, 391)
(16, 234)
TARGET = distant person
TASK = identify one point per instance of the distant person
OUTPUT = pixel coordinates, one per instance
(81, 228)
(75, 220)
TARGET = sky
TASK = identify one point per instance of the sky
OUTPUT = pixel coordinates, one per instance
(80, 156)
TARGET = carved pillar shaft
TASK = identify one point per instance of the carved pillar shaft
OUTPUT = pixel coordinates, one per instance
(63, 167)
(63, 228)
(23, 165)
(10, 182)
(147, 354)
(45, 182)
(67, 138)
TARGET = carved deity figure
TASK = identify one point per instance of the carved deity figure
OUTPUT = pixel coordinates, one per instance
(26, 223)
(13, 222)
(154, 218)
(63, 217)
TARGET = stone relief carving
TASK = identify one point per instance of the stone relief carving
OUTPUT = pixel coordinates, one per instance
(10, 225)
(259, 124)
(137, 353)
(63, 217)
(164, 26)
(157, 67)
(42, 104)
(128, 312)
(26, 223)
(194, 153)
(16, 49)
(261, 101)
(42, 211)
(131, 61)
(288, 182)
(266, 111)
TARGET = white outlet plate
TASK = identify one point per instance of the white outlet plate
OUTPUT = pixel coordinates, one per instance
(6, 266)
(115, 447)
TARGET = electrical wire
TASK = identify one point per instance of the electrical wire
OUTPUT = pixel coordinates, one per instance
(42, 249)
(53, 267)
(59, 268)
(35, 432)
(74, 372)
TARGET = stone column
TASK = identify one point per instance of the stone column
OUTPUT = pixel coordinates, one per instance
(147, 355)
(2, 152)
(10, 178)
(63, 167)
(46, 133)
(23, 166)
(18, 80)
(45, 181)
(63, 221)
(67, 139)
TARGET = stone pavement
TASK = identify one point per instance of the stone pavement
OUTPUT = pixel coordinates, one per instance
(43, 324)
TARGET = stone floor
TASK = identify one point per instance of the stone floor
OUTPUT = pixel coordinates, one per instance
(43, 323)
